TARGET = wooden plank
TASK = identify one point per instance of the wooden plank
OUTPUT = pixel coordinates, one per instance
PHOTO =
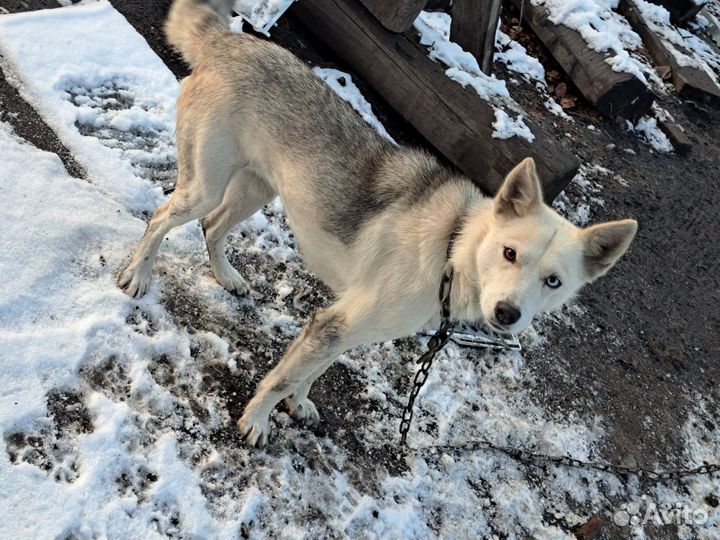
(395, 15)
(612, 93)
(473, 27)
(677, 136)
(452, 118)
(689, 82)
(711, 32)
(681, 11)
(437, 5)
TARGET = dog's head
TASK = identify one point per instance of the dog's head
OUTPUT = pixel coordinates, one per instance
(532, 260)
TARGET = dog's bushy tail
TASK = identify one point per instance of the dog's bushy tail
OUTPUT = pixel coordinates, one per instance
(189, 21)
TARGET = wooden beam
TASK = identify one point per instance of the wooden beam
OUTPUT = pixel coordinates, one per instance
(612, 93)
(681, 11)
(474, 24)
(395, 15)
(711, 32)
(452, 118)
(677, 137)
(437, 5)
(689, 82)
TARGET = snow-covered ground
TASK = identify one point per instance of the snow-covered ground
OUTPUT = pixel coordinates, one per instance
(117, 416)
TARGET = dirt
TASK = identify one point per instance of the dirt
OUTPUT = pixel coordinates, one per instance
(28, 125)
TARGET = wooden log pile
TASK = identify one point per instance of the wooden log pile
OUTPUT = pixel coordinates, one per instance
(376, 39)
(452, 118)
(690, 82)
(612, 93)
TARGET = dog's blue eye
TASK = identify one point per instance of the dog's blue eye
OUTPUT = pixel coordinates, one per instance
(510, 254)
(553, 282)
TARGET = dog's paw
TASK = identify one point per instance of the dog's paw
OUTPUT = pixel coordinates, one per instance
(134, 281)
(231, 280)
(254, 428)
(303, 411)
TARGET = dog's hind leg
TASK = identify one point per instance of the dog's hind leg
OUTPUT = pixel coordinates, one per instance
(135, 278)
(299, 405)
(245, 194)
(200, 188)
(343, 325)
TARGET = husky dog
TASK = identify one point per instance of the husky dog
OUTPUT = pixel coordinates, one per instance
(373, 220)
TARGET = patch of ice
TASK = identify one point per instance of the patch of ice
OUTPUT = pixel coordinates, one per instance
(343, 85)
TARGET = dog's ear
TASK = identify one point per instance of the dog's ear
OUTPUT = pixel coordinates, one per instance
(605, 244)
(521, 192)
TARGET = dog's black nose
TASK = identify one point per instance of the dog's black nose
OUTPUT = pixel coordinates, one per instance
(506, 314)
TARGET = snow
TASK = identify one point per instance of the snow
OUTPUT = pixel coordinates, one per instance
(648, 129)
(343, 85)
(434, 31)
(261, 14)
(506, 127)
(663, 114)
(434, 28)
(68, 87)
(61, 306)
(581, 198)
(555, 108)
(516, 58)
(117, 415)
(606, 31)
(687, 49)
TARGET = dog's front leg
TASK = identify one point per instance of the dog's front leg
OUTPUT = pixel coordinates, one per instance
(329, 333)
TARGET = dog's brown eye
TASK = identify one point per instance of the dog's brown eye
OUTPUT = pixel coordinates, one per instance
(510, 254)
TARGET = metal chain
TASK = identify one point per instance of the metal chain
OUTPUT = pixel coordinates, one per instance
(435, 343)
(528, 458)
(439, 340)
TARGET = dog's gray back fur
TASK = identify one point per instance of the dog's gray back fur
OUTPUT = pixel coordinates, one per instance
(356, 174)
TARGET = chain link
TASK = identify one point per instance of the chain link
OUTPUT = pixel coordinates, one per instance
(435, 343)
(438, 341)
(529, 458)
